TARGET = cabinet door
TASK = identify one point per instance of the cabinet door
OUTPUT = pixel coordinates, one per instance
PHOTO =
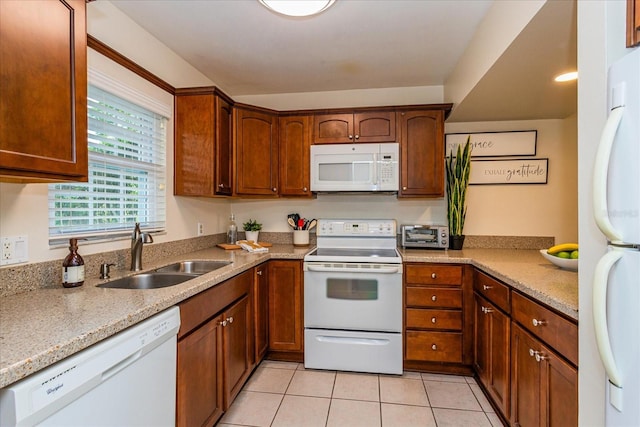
(261, 311)
(199, 376)
(256, 153)
(491, 351)
(224, 147)
(194, 145)
(526, 391)
(237, 337)
(333, 128)
(421, 154)
(375, 126)
(633, 23)
(560, 386)
(295, 142)
(285, 306)
(43, 82)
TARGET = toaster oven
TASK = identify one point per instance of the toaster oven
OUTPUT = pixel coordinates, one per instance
(425, 236)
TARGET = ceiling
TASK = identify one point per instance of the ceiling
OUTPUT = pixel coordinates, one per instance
(361, 44)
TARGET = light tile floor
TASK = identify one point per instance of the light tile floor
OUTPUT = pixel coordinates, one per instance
(281, 394)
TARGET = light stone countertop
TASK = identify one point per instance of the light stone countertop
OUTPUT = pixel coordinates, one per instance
(41, 327)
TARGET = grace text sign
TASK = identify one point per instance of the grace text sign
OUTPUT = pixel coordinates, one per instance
(521, 171)
(495, 144)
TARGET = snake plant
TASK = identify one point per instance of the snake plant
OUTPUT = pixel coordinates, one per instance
(457, 169)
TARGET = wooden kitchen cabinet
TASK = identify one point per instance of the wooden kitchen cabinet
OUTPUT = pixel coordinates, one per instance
(256, 154)
(544, 386)
(215, 350)
(261, 311)
(364, 126)
(203, 144)
(295, 145)
(43, 82)
(491, 354)
(286, 321)
(421, 153)
(438, 314)
(633, 23)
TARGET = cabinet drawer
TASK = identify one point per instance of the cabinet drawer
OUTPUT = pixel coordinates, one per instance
(433, 297)
(555, 330)
(434, 319)
(434, 346)
(432, 274)
(491, 289)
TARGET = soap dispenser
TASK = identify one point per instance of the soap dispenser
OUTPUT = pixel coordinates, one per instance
(232, 230)
(73, 267)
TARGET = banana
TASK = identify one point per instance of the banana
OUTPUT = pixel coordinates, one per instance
(566, 247)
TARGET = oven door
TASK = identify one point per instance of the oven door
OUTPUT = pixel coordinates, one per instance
(353, 296)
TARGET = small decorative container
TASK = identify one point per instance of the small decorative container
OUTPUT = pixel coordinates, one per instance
(300, 237)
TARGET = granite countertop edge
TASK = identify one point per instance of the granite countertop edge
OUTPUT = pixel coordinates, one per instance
(63, 322)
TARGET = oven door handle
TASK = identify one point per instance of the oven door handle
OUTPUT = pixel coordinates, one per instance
(352, 340)
(383, 270)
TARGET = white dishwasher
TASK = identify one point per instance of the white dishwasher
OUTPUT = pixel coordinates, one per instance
(126, 380)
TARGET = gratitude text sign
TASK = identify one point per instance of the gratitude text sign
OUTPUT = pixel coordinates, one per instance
(494, 144)
(520, 171)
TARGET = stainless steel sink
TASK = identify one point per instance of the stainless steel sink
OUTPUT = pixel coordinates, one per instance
(148, 281)
(193, 267)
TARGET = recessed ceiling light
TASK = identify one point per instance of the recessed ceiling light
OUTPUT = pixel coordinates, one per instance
(297, 7)
(566, 77)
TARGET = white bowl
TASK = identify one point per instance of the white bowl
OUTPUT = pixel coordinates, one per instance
(567, 264)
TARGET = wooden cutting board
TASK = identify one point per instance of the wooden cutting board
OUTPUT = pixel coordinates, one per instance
(229, 246)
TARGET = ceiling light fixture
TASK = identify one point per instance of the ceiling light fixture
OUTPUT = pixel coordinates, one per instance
(567, 77)
(297, 7)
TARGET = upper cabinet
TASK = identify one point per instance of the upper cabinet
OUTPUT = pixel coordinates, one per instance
(366, 126)
(295, 146)
(43, 82)
(421, 153)
(633, 23)
(256, 152)
(203, 143)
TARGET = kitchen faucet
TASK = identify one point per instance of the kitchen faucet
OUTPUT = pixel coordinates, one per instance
(138, 239)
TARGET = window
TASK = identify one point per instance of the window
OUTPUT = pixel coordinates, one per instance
(126, 173)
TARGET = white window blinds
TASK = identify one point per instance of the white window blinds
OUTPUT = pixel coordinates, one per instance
(127, 147)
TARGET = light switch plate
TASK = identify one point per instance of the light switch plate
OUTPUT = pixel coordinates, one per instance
(14, 250)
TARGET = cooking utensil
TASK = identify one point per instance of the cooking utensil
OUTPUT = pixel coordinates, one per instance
(300, 224)
(312, 224)
(292, 223)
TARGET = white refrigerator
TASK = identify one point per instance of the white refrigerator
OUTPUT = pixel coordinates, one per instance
(616, 286)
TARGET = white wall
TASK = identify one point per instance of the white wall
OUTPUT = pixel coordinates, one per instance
(601, 40)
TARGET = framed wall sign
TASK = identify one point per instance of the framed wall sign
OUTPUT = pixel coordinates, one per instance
(499, 172)
(495, 144)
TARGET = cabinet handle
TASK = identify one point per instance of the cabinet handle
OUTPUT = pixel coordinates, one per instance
(230, 319)
(350, 136)
(274, 189)
(486, 310)
(434, 298)
(486, 287)
(357, 136)
(540, 357)
(221, 185)
(433, 320)
(259, 272)
(304, 189)
(532, 352)
(434, 347)
(404, 188)
(537, 322)
(434, 275)
(223, 323)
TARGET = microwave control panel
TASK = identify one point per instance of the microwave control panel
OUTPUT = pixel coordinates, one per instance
(349, 227)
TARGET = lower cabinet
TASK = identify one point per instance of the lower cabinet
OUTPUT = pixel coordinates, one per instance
(261, 310)
(286, 321)
(491, 352)
(544, 387)
(215, 344)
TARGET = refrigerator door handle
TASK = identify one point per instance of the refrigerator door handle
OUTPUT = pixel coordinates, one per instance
(600, 284)
(600, 172)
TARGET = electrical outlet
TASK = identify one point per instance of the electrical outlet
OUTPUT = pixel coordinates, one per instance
(15, 249)
(200, 229)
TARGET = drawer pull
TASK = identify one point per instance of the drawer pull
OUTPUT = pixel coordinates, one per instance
(230, 319)
(486, 287)
(434, 298)
(434, 275)
(532, 352)
(433, 320)
(540, 357)
(223, 323)
(434, 347)
(537, 322)
(486, 310)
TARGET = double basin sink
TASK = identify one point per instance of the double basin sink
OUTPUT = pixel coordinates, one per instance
(169, 275)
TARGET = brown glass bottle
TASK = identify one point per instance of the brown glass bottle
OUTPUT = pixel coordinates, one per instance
(73, 267)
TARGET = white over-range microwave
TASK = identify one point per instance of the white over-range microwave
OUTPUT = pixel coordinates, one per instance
(355, 167)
